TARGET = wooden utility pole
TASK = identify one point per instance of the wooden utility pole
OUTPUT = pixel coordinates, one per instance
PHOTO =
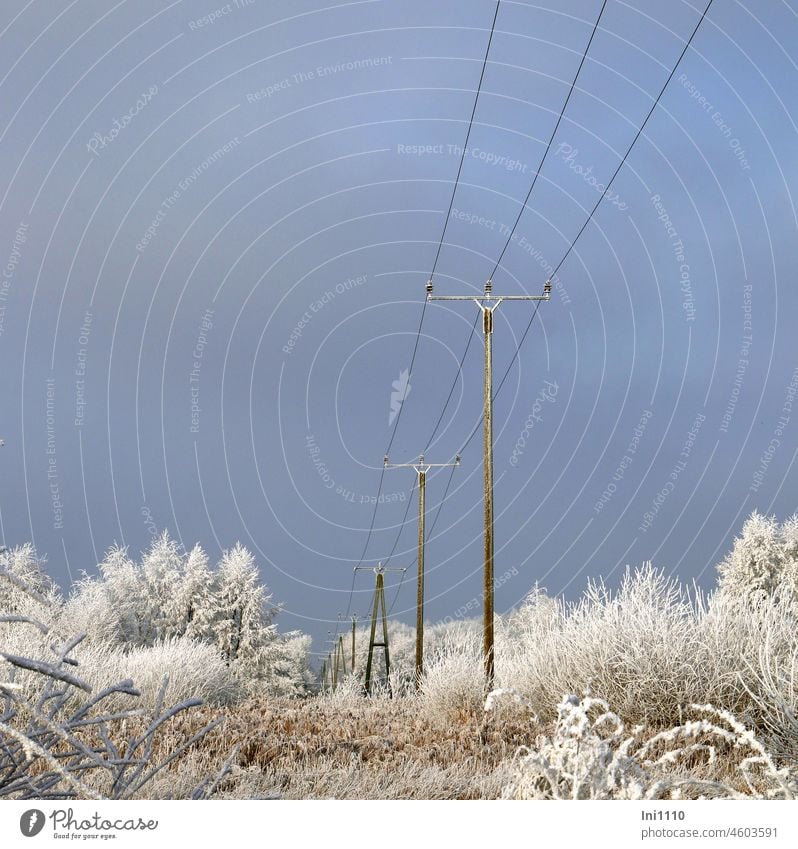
(354, 626)
(379, 601)
(340, 659)
(421, 468)
(488, 303)
(327, 672)
(331, 660)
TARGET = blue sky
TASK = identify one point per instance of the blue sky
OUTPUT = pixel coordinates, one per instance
(216, 224)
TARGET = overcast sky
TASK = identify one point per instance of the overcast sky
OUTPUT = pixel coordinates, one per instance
(216, 224)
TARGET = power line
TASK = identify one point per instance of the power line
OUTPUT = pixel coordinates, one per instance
(509, 239)
(454, 383)
(507, 243)
(637, 136)
(351, 591)
(551, 139)
(518, 218)
(432, 274)
(398, 590)
(571, 246)
(603, 195)
(465, 144)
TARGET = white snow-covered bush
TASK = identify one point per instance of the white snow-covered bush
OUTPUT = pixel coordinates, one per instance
(454, 679)
(193, 670)
(591, 755)
(27, 589)
(649, 648)
(635, 647)
(285, 668)
(60, 736)
(763, 562)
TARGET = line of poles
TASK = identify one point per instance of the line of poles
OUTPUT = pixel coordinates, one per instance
(487, 303)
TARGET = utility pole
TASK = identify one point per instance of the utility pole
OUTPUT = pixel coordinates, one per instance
(332, 661)
(340, 659)
(354, 626)
(379, 600)
(3, 549)
(421, 469)
(488, 303)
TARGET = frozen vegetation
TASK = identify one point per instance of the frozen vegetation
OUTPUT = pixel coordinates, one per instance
(649, 690)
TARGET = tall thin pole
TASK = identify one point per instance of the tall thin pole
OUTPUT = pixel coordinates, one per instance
(381, 593)
(354, 621)
(422, 485)
(421, 467)
(487, 326)
(373, 633)
(379, 601)
(488, 303)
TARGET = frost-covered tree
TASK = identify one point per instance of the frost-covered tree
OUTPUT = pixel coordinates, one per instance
(174, 594)
(241, 619)
(28, 588)
(192, 610)
(286, 667)
(160, 579)
(763, 562)
(121, 614)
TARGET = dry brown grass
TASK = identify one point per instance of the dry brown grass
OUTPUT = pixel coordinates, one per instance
(378, 748)
(366, 749)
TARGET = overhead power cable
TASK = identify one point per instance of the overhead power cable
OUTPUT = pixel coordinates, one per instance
(579, 233)
(465, 143)
(604, 193)
(520, 213)
(551, 139)
(501, 255)
(424, 306)
(637, 136)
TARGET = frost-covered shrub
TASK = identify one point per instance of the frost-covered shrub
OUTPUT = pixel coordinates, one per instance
(348, 692)
(285, 668)
(28, 600)
(763, 562)
(194, 670)
(61, 738)
(453, 681)
(635, 647)
(775, 692)
(591, 755)
(27, 589)
(587, 757)
(649, 648)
